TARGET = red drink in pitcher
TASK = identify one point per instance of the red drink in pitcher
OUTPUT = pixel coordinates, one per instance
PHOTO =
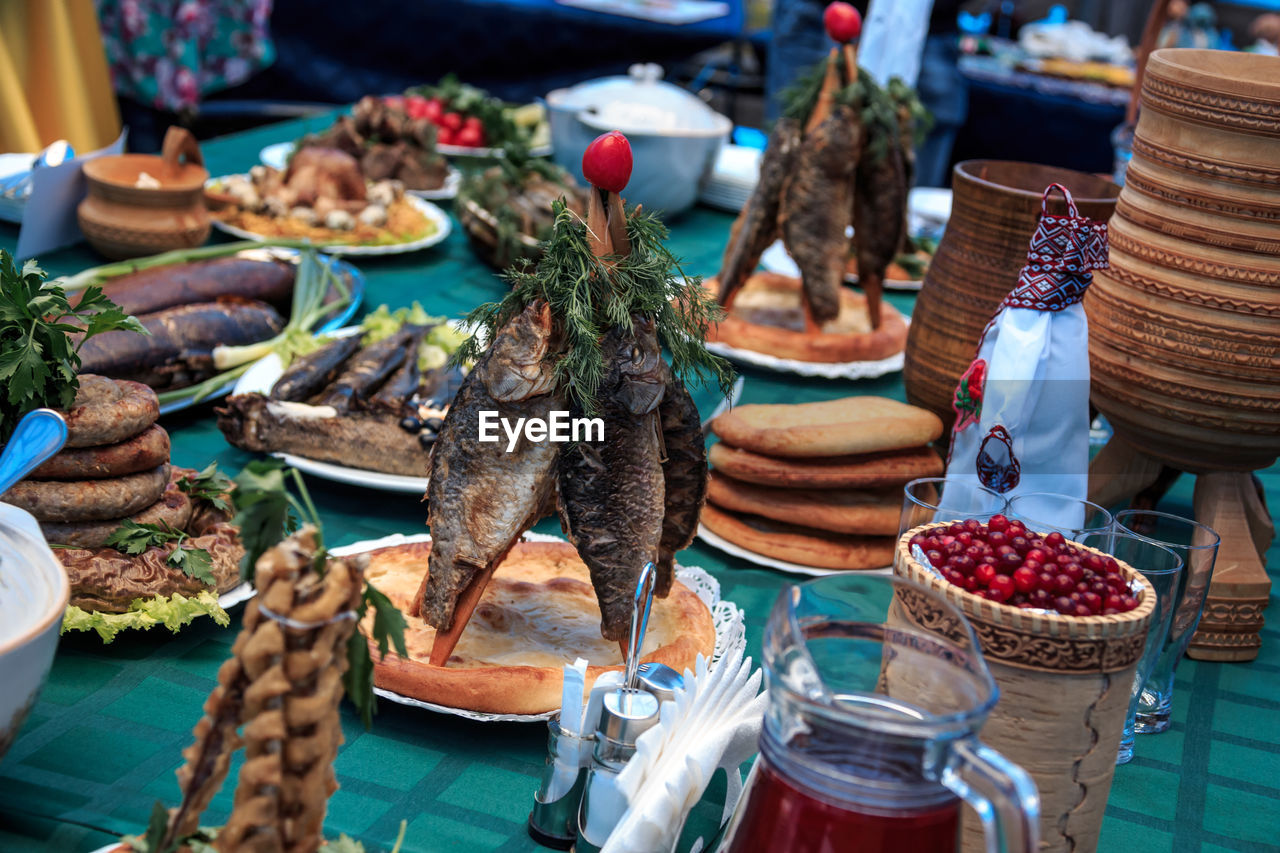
(872, 723)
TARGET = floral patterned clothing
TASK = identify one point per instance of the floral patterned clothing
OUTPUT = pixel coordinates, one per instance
(169, 53)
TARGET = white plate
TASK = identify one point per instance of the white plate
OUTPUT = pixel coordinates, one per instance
(825, 370)
(426, 208)
(236, 595)
(719, 542)
(777, 259)
(263, 375)
(729, 619)
(277, 157)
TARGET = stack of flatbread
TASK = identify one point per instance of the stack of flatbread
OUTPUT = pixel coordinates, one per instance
(818, 484)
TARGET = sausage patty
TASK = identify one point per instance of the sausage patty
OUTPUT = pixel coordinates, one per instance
(109, 411)
(174, 509)
(140, 453)
(89, 500)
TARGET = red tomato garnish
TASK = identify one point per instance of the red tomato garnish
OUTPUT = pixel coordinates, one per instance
(469, 137)
(607, 162)
(842, 21)
(453, 121)
(445, 136)
(472, 121)
(433, 111)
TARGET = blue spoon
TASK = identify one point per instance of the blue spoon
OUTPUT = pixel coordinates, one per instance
(39, 435)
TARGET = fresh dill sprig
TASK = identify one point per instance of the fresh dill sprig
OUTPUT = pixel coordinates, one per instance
(589, 295)
(876, 107)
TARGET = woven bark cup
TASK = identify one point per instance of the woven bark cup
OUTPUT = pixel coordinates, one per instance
(1064, 689)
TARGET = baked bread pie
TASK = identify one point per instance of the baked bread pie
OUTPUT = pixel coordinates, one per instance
(538, 613)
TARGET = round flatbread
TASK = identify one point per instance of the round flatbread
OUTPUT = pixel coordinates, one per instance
(89, 500)
(768, 317)
(142, 452)
(109, 411)
(804, 546)
(871, 470)
(841, 427)
(538, 613)
(858, 511)
(174, 509)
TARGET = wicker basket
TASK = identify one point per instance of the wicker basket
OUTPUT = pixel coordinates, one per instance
(482, 231)
(1064, 690)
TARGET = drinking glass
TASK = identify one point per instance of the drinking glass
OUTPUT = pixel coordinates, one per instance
(931, 499)
(1160, 568)
(1197, 545)
(1073, 517)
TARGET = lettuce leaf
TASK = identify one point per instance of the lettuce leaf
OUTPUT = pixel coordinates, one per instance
(143, 613)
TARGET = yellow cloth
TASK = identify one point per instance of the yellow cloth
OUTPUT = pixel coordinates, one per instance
(54, 80)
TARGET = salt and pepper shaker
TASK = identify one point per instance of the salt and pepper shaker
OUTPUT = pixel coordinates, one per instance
(593, 806)
(626, 713)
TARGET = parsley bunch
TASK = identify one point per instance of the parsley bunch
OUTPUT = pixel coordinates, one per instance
(133, 538)
(39, 357)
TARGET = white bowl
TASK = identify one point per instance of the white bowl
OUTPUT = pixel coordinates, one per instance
(33, 595)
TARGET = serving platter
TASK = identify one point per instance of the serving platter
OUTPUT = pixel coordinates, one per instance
(277, 157)
(729, 620)
(777, 259)
(825, 370)
(263, 375)
(721, 544)
(440, 219)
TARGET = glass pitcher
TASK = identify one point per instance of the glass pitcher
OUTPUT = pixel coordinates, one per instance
(870, 740)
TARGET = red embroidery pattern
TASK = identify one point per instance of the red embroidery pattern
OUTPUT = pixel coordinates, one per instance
(1064, 252)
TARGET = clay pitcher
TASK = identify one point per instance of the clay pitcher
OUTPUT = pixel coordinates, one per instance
(996, 208)
(142, 204)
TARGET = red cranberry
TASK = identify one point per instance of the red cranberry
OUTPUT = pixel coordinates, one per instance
(962, 564)
(969, 582)
(996, 538)
(952, 575)
(965, 538)
(1033, 565)
(1063, 559)
(998, 523)
(1073, 571)
(1111, 565)
(989, 559)
(1055, 540)
(1009, 562)
(1109, 611)
(1082, 587)
(936, 558)
(1100, 588)
(953, 548)
(1094, 562)
(916, 541)
(1083, 610)
(1001, 588)
(1046, 580)
(1063, 584)
(1093, 600)
(1025, 579)
(1041, 598)
(1129, 603)
(974, 552)
(1016, 528)
(1037, 554)
(984, 573)
(1020, 544)
(1113, 602)
(1064, 605)
(973, 526)
(1117, 582)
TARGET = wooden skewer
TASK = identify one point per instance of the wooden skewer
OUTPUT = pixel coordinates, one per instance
(598, 235)
(850, 64)
(826, 95)
(443, 645)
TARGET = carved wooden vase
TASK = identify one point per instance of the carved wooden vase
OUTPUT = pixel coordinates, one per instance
(1184, 328)
(994, 214)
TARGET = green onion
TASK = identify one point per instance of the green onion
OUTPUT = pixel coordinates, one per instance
(98, 275)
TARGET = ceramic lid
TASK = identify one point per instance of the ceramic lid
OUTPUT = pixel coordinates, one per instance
(638, 103)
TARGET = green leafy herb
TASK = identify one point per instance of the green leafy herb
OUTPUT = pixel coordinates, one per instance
(209, 485)
(40, 339)
(133, 538)
(201, 841)
(388, 632)
(173, 612)
(589, 296)
(877, 108)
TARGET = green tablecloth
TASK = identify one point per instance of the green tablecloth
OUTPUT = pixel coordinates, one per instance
(102, 743)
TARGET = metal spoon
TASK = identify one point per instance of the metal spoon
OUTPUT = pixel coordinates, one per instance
(656, 678)
(39, 435)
